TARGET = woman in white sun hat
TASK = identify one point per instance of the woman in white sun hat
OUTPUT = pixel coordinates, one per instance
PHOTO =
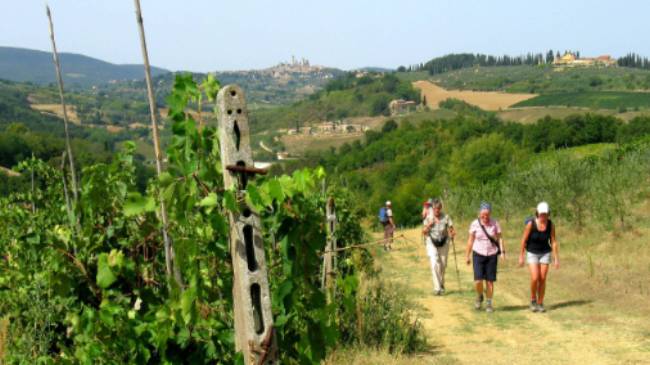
(539, 244)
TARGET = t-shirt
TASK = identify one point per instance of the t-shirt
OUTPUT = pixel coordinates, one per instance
(389, 213)
(438, 230)
(482, 244)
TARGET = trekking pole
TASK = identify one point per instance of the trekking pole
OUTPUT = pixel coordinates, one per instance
(453, 247)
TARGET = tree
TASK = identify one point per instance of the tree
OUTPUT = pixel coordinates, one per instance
(389, 126)
(549, 56)
(482, 159)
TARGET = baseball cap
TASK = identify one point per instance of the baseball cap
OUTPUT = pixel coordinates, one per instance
(486, 206)
(388, 202)
(543, 208)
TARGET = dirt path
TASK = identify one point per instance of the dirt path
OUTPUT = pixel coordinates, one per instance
(575, 330)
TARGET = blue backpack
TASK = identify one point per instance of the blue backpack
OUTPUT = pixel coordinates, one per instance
(383, 217)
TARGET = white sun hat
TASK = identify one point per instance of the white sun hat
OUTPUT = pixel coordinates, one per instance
(388, 202)
(543, 208)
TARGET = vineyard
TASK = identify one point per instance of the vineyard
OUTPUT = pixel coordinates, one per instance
(88, 283)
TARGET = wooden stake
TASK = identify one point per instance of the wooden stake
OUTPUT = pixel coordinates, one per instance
(170, 264)
(33, 188)
(254, 333)
(68, 206)
(59, 80)
(329, 257)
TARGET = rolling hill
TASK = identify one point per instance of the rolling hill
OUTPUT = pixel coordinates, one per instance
(79, 71)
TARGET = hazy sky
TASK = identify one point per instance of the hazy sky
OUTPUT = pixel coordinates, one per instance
(207, 35)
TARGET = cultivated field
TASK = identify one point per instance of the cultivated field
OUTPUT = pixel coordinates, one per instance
(592, 99)
(533, 114)
(298, 144)
(486, 100)
(57, 110)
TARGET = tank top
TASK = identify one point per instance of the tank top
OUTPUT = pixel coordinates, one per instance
(539, 242)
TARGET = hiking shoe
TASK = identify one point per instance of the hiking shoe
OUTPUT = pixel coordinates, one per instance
(540, 308)
(488, 306)
(478, 302)
(437, 292)
(533, 306)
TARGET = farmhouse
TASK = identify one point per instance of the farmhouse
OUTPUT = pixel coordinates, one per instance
(569, 59)
(401, 106)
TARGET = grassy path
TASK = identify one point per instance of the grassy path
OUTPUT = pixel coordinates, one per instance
(577, 329)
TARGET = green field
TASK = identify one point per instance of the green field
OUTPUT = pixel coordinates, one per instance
(592, 99)
(539, 79)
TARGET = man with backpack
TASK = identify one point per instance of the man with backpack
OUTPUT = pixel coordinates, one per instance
(538, 244)
(438, 230)
(386, 219)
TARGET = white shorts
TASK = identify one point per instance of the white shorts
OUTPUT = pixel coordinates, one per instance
(538, 258)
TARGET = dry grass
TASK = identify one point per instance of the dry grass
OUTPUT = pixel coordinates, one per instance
(359, 356)
(57, 110)
(598, 302)
(4, 334)
(486, 100)
(8, 172)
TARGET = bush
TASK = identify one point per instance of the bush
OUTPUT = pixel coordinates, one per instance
(482, 159)
(383, 319)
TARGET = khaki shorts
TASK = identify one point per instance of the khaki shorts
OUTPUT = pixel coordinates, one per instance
(538, 258)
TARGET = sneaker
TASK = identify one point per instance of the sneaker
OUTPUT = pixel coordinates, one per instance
(488, 307)
(533, 306)
(540, 308)
(478, 302)
(437, 292)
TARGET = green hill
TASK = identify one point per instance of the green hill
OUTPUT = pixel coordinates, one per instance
(26, 65)
(545, 79)
(620, 100)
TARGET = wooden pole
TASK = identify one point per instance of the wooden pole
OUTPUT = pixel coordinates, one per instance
(66, 196)
(254, 333)
(59, 79)
(170, 264)
(329, 257)
(33, 187)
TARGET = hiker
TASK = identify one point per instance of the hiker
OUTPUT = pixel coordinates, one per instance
(485, 243)
(539, 243)
(386, 219)
(438, 229)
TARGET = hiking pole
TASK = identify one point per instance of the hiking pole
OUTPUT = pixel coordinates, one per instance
(453, 247)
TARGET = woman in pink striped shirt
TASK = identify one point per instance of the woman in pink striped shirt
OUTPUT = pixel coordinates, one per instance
(485, 243)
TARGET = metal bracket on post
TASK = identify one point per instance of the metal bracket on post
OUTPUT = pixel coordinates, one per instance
(254, 333)
(329, 258)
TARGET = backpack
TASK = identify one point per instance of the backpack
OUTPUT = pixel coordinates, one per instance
(383, 217)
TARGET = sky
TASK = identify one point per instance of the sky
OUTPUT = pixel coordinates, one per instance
(217, 35)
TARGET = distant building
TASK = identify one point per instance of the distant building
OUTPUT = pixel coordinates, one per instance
(401, 106)
(570, 60)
